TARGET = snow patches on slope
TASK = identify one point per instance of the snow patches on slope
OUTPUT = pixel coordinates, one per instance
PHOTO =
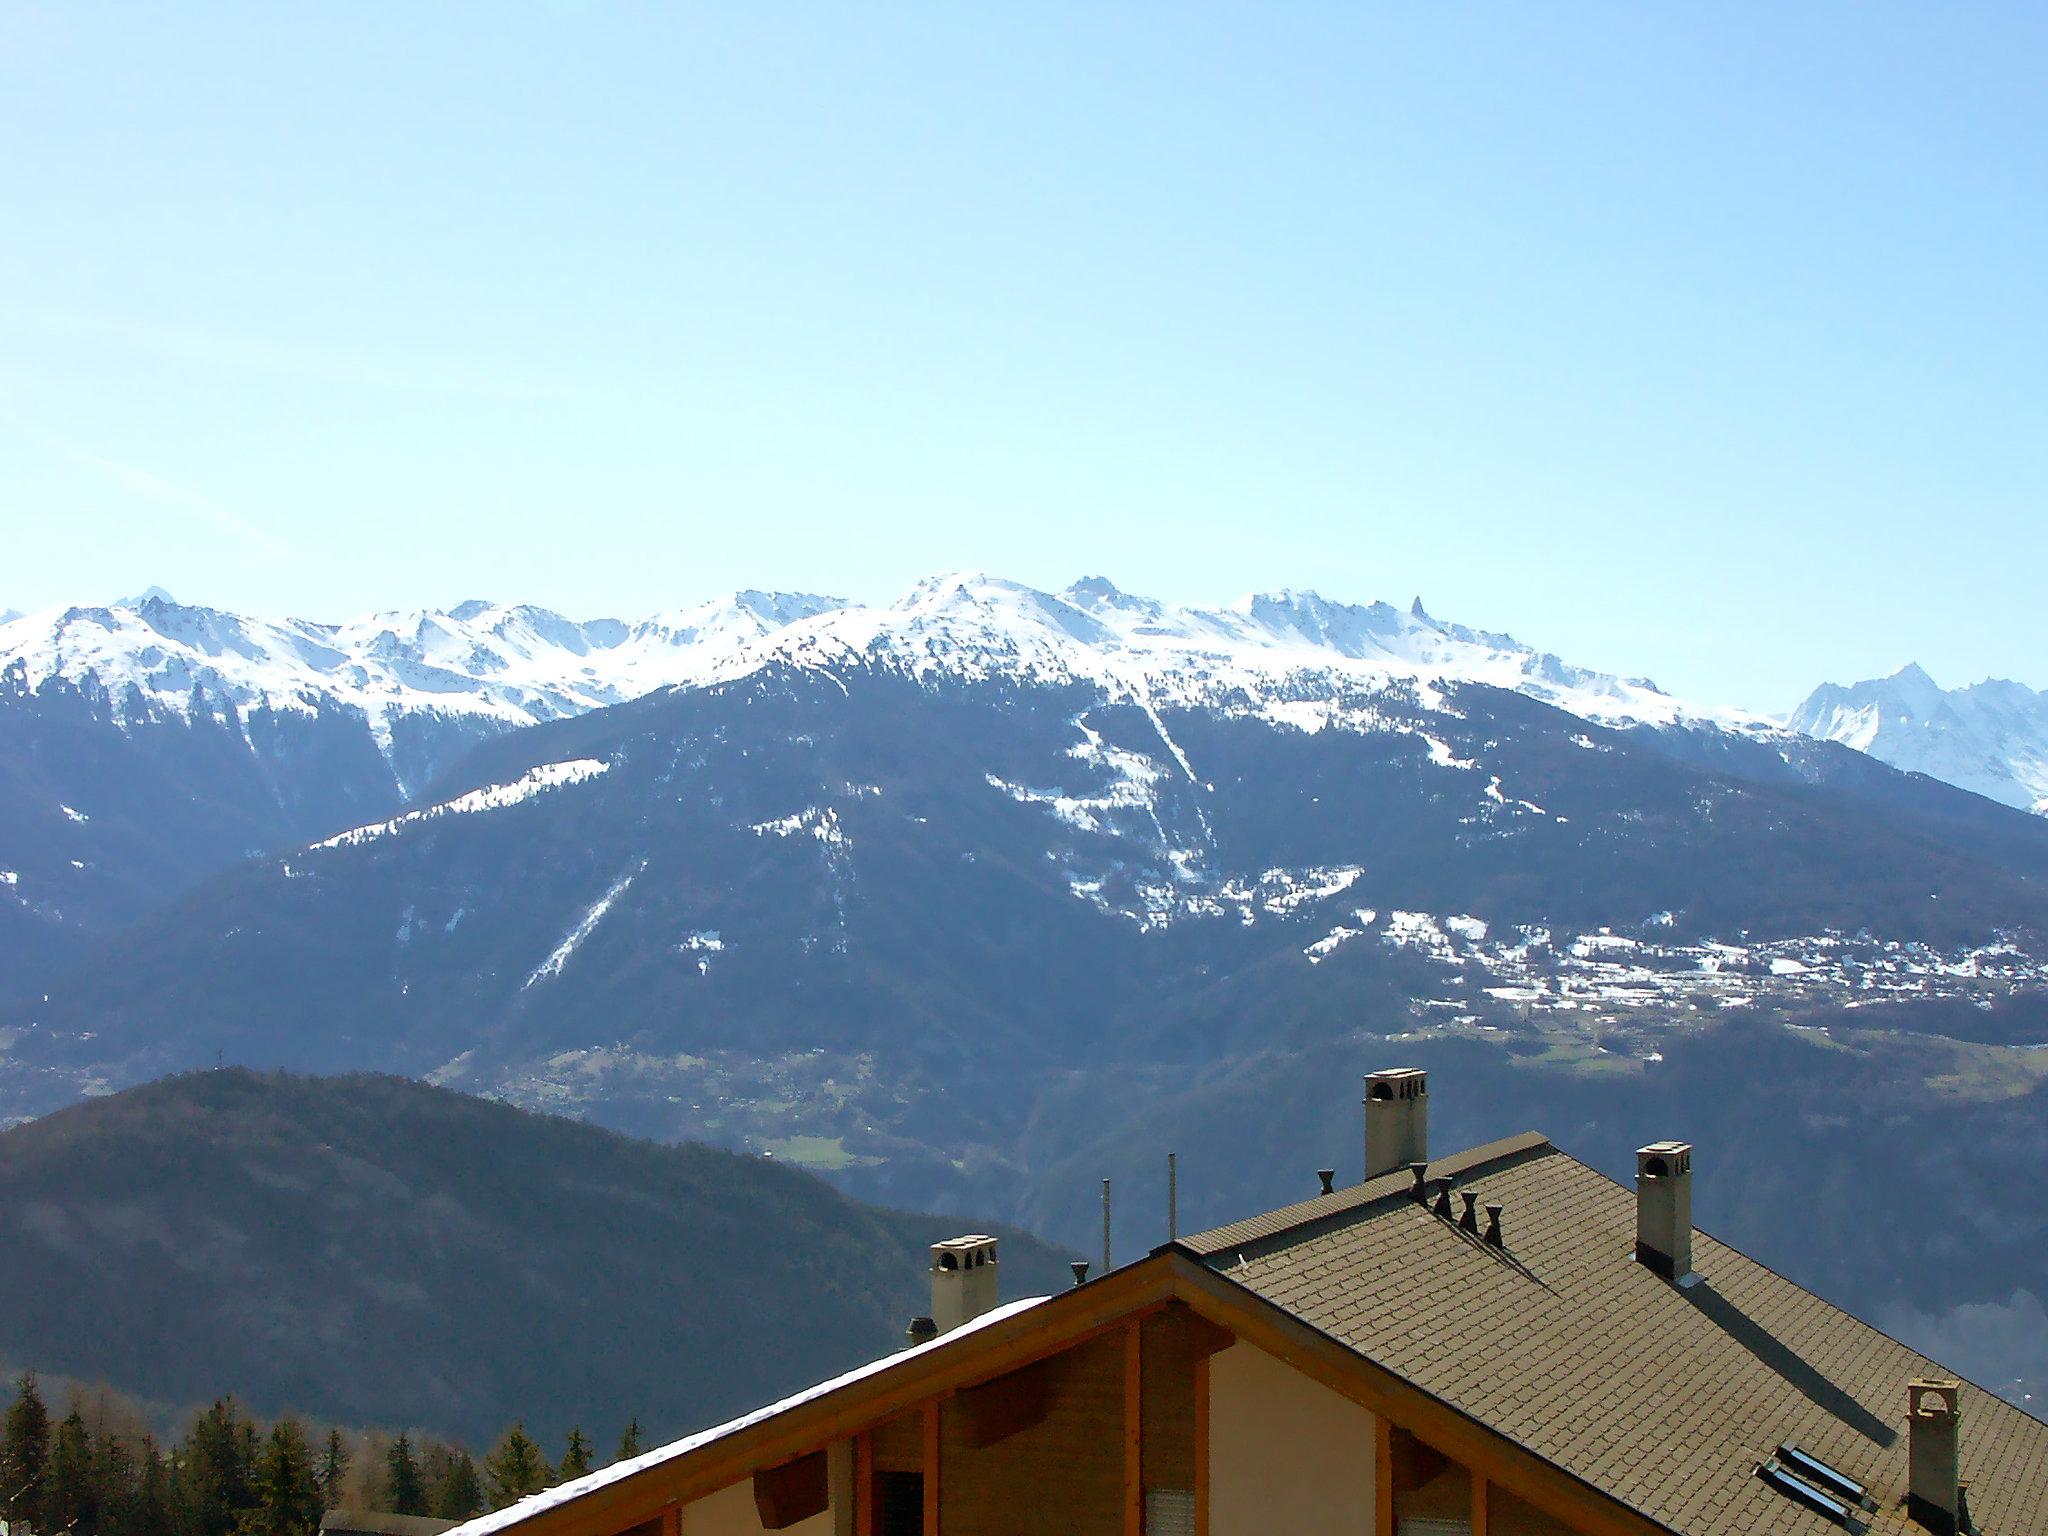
(586, 925)
(492, 797)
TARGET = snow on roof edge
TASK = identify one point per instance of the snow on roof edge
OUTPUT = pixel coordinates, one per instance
(538, 1503)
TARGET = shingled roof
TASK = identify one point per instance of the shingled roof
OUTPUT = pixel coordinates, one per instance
(1666, 1397)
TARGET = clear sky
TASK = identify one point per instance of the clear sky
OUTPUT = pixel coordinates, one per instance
(1703, 342)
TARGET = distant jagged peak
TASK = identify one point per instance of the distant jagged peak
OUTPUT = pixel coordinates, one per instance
(1990, 737)
(149, 594)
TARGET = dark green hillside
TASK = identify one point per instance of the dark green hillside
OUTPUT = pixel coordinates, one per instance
(373, 1250)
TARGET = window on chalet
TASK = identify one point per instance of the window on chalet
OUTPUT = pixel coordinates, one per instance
(899, 1504)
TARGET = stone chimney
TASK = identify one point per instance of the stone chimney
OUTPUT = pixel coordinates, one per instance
(1396, 1119)
(1934, 1490)
(1664, 1208)
(963, 1280)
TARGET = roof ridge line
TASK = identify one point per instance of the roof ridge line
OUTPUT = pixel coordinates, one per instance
(1287, 1218)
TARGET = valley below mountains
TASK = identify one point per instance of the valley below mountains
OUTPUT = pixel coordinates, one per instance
(972, 901)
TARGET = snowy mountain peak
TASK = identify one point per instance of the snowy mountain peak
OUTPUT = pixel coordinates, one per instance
(1990, 737)
(1293, 654)
(149, 594)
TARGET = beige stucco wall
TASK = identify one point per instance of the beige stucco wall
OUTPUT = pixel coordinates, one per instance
(1286, 1454)
(731, 1512)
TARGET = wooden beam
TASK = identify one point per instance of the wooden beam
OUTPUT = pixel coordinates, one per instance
(931, 1469)
(672, 1520)
(1382, 1476)
(992, 1412)
(1479, 1511)
(1414, 1462)
(864, 1484)
(1201, 1445)
(794, 1491)
(1134, 1431)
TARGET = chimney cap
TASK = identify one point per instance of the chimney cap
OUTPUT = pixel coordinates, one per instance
(1080, 1269)
(1397, 1083)
(1662, 1159)
(1934, 1397)
(1328, 1176)
(970, 1252)
(922, 1330)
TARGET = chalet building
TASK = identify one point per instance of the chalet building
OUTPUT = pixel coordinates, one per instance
(1501, 1342)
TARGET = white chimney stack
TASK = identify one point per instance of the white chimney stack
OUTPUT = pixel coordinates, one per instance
(963, 1280)
(1934, 1490)
(1664, 1208)
(1396, 1119)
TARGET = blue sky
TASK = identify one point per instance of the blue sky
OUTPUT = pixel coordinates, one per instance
(1706, 343)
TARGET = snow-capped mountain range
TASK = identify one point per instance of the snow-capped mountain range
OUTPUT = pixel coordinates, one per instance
(513, 665)
(505, 665)
(1990, 738)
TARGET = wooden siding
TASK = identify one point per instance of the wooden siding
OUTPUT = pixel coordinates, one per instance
(1063, 1474)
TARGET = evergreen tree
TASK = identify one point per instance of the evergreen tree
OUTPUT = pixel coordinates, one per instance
(214, 1471)
(404, 1491)
(576, 1459)
(24, 1454)
(515, 1468)
(459, 1495)
(68, 1502)
(333, 1468)
(114, 1484)
(286, 1488)
(629, 1442)
(155, 1511)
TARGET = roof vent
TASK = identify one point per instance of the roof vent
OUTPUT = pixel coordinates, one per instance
(1933, 1412)
(1080, 1269)
(1419, 1191)
(1329, 1179)
(1664, 1208)
(963, 1280)
(1470, 1219)
(1396, 1119)
(1493, 1210)
(922, 1330)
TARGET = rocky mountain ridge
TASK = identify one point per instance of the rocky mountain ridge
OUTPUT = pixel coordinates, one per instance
(1990, 738)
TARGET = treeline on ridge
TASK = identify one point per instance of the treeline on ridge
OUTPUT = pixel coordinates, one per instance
(100, 1470)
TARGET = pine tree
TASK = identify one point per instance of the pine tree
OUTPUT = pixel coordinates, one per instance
(404, 1492)
(459, 1495)
(114, 1484)
(155, 1511)
(68, 1502)
(629, 1442)
(334, 1460)
(213, 1471)
(515, 1468)
(24, 1454)
(576, 1459)
(287, 1493)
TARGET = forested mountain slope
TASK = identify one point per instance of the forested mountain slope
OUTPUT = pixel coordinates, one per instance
(371, 1250)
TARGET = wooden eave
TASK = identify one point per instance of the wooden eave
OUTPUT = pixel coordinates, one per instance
(1057, 1324)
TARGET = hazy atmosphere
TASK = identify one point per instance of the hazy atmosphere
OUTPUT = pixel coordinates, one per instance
(1709, 348)
(1054, 770)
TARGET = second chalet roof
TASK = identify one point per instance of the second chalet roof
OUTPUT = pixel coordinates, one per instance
(1666, 1397)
